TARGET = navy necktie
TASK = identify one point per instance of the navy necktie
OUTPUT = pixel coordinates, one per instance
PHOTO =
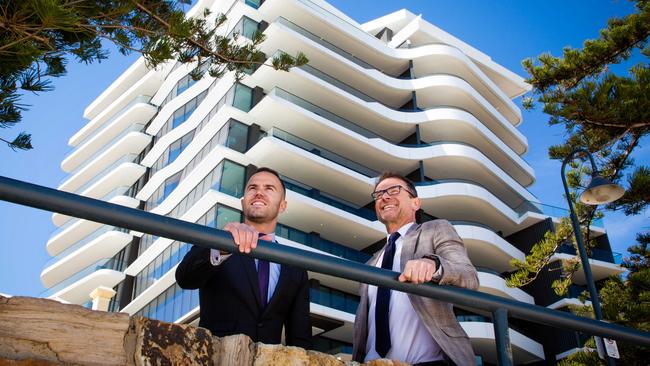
(382, 304)
(263, 269)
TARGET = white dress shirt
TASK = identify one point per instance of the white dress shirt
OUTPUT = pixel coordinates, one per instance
(216, 258)
(411, 342)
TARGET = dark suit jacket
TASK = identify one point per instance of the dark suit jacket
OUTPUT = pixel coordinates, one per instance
(230, 300)
(438, 238)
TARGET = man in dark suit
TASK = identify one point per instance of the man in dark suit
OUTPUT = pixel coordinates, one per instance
(406, 327)
(239, 294)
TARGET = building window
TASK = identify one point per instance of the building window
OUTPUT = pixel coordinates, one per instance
(246, 27)
(178, 146)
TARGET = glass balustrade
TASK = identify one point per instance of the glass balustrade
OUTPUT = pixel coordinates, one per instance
(339, 203)
(119, 191)
(90, 237)
(132, 128)
(334, 299)
(139, 99)
(361, 130)
(307, 34)
(319, 151)
(316, 242)
(107, 263)
(128, 158)
(549, 210)
(594, 253)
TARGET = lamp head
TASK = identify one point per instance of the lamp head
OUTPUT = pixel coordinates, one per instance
(601, 190)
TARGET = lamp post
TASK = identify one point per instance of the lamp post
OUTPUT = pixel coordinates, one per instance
(599, 191)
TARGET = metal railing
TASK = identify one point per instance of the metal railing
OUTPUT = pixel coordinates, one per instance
(28, 194)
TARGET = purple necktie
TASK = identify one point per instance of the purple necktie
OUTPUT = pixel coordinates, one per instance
(263, 269)
(382, 304)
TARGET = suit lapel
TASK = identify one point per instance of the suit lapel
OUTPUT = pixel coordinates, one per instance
(409, 244)
(248, 263)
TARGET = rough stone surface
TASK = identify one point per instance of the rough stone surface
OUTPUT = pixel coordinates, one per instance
(48, 331)
(27, 362)
(275, 354)
(386, 362)
(160, 343)
(322, 359)
(41, 332)
(235, 350)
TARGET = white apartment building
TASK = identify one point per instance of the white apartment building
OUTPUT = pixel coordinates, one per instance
(396, 93)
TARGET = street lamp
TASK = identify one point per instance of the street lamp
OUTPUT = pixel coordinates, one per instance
(599, 191)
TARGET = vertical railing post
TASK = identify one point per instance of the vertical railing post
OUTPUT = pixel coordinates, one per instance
(501, 336)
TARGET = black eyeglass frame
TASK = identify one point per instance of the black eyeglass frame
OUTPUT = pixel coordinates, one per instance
(377, 195)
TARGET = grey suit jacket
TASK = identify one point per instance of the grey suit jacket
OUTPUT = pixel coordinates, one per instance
(437, 238)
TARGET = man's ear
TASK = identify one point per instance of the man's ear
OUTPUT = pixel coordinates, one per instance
(241, 201)
(283, 206)
(416, 203)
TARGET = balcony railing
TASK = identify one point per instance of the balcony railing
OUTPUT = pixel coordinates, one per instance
(90, 237)
(139, 99)
(133, 128)
(501, 308)
(128, 158)
(319, 151)
(339, 203)
(119, 191)
(549, 210)
(594, 253)
(107, 263)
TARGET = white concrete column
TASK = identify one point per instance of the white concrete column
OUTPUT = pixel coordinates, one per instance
(102, 297)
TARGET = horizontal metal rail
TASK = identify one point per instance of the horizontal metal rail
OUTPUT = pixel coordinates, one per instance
(28, 194)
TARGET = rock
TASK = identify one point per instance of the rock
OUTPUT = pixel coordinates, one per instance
(235, 350)
(161, 343)
(279, 355)
(42, 330)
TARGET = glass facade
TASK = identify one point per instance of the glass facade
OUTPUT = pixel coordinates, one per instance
(173, 151)
(163, 191)
(227, 177)
(315, 241)
(181, 115)
(246, 27)
(334, 299)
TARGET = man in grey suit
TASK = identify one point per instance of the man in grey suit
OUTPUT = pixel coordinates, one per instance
(401, 326)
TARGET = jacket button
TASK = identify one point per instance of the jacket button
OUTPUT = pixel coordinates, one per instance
(260, 325)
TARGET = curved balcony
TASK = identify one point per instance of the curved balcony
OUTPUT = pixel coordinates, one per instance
(334, 133)
(138, 111)
(492, 282)
(309, 214)
(481, 333)
(75, 229)
(485, 247)
(444, 121)
(101, 230)
(124, 172)
(359, 48)
(104, 243)
(76, 288)
(130, 142)
(602, 263)
(439, 92)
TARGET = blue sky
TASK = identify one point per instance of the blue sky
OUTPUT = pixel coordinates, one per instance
(507, 31)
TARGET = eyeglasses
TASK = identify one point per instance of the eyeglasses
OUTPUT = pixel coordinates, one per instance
(392, 191)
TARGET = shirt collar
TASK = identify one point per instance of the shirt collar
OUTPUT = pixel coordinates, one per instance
(403, 230)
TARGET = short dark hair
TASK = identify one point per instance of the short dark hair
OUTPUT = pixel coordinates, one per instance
(264, 169)
(388, 174)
